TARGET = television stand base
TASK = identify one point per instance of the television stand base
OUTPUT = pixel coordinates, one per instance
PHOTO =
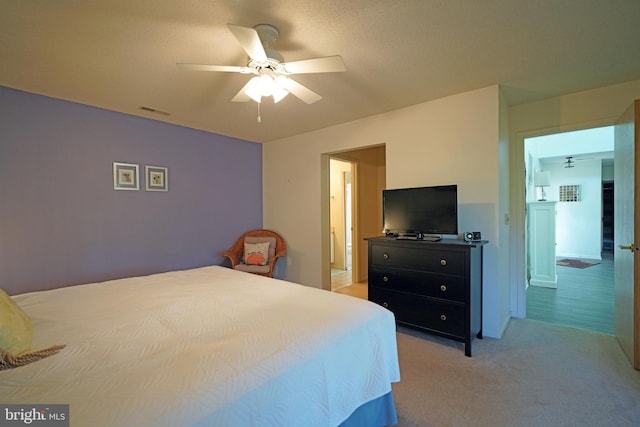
(420, 236)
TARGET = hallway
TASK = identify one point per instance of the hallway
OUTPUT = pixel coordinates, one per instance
(584, 298)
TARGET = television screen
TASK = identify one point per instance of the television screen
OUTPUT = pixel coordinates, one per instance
(423, 210)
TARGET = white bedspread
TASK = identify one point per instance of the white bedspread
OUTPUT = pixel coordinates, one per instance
(208, 346)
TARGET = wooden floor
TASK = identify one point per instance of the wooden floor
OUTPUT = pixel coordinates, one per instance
(342, 283)
(584, 298)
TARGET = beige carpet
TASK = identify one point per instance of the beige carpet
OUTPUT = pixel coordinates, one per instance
(538, 374)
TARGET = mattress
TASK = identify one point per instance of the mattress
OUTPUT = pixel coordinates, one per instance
(207, 346)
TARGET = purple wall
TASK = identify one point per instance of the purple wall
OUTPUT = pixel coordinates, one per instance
(61, 221)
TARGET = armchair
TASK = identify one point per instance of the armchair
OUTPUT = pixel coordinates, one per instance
(237, 252)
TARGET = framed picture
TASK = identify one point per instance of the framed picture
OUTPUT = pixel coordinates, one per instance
(157, 178)
(125, 176)
(569, 193)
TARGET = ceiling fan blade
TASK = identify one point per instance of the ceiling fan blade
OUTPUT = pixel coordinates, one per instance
(327, 64)
(305, 94)
(250, 41)
(223, 68)
(242, 95)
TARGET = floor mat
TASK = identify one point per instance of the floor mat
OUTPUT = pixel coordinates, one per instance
(576, 263)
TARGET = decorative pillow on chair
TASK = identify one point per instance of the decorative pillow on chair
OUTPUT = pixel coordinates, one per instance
(15, 326)
(256, 253)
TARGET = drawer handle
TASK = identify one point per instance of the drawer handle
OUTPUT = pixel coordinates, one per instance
(443, 288)
(443, 317)
(385, 304)
(443, 262)
(385, 279)
(385, 255)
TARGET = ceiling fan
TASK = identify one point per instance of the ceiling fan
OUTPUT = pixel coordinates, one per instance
(271, 73)
(569, 161)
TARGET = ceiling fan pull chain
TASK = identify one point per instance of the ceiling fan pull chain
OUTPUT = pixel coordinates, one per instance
(259, 118)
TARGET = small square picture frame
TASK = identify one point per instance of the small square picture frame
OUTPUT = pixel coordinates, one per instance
(125, 176)
(157, 178)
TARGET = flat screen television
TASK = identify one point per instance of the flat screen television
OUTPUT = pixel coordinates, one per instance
(422, 212)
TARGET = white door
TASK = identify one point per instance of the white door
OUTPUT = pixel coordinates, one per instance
(627, 233)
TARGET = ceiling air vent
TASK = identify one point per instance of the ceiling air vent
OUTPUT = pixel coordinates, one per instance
(155, 111)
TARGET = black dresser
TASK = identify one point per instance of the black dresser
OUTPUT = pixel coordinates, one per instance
(432, 286)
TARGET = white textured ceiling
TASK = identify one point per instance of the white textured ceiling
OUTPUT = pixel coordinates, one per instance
(121, 54)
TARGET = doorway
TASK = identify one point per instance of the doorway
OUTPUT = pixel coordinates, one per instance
(341, 222)
(357, 177)
(579, 175)
(607, 216)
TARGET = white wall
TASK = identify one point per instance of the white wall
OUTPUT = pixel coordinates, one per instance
(582, 110)
(578, 224)
(503, 221)
(454, 140)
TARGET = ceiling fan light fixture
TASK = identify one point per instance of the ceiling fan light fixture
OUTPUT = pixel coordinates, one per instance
(253, 89)
(569, 162)
(265, 85)
(279, 93)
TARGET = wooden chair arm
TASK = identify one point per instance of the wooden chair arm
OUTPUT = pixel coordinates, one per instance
(234, 258)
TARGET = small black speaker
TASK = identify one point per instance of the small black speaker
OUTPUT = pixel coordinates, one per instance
(472, 236)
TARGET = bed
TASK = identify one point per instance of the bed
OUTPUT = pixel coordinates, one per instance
(208, 346)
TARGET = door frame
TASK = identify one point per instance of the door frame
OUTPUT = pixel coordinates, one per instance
(518, 240)
(363, 177)
(326, 217)
(352, 212)
(348, 207)
(518, 230)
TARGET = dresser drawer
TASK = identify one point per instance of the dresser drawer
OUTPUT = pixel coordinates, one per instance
(419, 258)
(436, 315)
(419, 282)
